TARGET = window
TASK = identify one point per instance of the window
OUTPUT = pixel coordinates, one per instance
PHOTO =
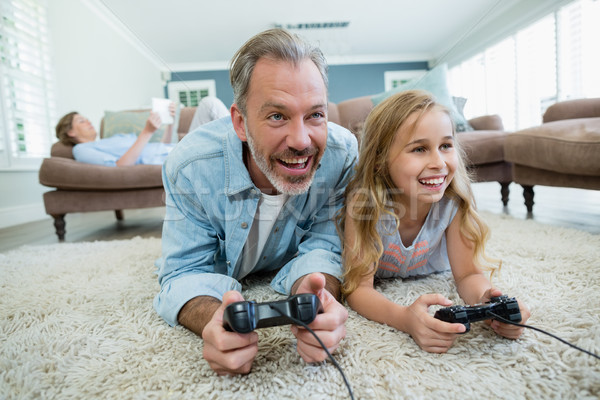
(27, 97)
(189, 93)
(551, 60)
(393, 79)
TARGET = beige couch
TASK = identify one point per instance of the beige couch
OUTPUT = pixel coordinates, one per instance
(563, 151)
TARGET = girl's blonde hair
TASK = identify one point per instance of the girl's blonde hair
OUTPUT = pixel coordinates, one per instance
(369, 193)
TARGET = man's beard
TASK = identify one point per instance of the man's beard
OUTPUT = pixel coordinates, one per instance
(290, 185)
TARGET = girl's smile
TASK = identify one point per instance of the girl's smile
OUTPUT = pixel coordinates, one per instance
(423, 160)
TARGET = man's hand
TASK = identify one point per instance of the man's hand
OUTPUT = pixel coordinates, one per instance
(329, 325)
(228, 353)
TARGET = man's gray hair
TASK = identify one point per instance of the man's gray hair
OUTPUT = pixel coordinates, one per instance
(274, 44)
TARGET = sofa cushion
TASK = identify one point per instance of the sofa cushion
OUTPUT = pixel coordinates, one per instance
(333, 114)
(115, 122)
(353, 112)
(487, 123)
(63, 173)
(185, 120)
(567, 146)
(482, 147)
(435, 82)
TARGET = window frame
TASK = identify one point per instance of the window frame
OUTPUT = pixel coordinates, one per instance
(25, 61)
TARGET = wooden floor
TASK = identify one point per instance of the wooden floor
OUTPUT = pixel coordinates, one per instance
(574, 208)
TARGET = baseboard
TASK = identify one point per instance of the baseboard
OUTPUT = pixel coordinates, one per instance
(11, 216)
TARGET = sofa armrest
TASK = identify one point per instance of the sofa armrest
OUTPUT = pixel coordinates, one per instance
(333, 114)
(571, 109)
(185, 120)
(60, 149)
(66, 174)
(487, 123)
(353, 112)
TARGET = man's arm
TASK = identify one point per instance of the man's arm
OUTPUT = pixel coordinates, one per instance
(190, 287)
(190, 241)
(332, 285)
(197, 312)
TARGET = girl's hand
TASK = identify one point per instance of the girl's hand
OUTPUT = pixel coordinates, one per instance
(502, 328)
(430, 333)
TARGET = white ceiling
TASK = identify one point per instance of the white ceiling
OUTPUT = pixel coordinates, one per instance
(200, 34)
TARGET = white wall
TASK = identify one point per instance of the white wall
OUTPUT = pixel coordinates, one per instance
(96, 69)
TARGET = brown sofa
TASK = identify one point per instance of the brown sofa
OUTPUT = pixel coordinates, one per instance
(83, 187)
(563, 151)
(484, 147)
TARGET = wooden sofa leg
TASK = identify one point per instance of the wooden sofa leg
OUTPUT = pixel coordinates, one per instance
(528, 195)
(119, 215)
(59, 225)
(504, 191)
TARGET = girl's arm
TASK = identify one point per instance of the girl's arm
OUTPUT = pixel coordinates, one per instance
(471, 283)
(373, 305)
(429, 333)
(365, 300)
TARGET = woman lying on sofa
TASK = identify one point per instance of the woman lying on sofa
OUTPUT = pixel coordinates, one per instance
(117, 150)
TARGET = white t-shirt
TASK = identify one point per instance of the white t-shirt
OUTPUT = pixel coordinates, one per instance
(269, 207)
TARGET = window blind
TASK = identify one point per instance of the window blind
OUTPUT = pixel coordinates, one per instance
(27, 94)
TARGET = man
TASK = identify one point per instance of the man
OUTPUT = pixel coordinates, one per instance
(258, 192)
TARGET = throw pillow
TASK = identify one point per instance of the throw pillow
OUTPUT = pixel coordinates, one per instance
(459, 103)
(434, 81)
(115, 122)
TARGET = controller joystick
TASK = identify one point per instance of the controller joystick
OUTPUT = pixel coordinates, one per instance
(246, 316)
(505, 307)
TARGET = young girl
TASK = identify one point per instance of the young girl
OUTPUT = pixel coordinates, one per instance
(410, 211)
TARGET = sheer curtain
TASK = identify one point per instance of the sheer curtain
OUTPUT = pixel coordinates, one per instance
(553, 59)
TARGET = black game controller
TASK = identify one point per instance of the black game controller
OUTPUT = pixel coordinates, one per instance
(505, 307)
(246, 316)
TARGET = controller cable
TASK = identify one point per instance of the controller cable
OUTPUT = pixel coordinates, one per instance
(302, 324)
(499, 318)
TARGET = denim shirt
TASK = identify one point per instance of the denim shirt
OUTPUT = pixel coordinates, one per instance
(210, 205)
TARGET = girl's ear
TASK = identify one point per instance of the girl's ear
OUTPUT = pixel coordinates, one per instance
(238, 122)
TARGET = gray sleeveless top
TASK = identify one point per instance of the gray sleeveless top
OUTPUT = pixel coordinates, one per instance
(427, 254)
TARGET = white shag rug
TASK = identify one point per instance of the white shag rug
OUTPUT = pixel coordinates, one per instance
(76, 322)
